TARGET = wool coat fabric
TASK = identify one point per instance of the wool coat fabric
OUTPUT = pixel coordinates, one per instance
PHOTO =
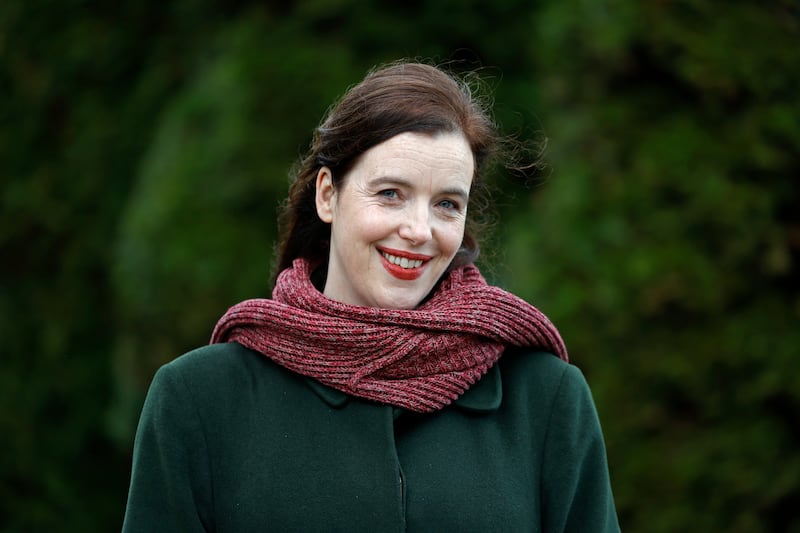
(228, 441)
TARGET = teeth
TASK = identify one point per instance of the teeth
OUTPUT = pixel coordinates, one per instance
(402, 262)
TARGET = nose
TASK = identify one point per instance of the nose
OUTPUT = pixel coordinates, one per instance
(416, 228)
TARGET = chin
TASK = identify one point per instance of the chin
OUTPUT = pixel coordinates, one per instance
(404, 303)
(401, 306)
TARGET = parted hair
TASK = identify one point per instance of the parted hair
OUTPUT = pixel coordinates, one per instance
(392, 99)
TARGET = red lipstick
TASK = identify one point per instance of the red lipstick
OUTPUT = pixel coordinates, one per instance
(406, 274)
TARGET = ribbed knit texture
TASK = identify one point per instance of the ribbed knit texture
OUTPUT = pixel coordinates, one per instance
(420, 359)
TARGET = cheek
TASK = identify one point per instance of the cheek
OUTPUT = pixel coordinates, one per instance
(364, 225)
(452, 237)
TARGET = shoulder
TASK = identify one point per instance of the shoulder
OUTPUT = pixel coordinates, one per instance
(209, 358)
(540, 377)
(213, 361)
(218, 369)
(538, 368)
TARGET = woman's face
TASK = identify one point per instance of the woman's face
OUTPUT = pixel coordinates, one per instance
(397, 219)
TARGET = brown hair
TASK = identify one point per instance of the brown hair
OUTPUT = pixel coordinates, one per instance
(397, 98)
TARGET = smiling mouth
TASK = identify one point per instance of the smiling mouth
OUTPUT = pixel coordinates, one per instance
(402, 262)
(403, 265)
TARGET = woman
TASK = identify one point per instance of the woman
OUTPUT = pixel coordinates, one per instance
(385, 386)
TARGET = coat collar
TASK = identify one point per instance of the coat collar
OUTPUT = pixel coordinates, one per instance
(484, 396)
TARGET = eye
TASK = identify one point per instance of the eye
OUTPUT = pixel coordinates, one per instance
(449, 205)
(388, 193)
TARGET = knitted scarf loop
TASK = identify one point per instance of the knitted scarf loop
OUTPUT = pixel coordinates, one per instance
(420, 359)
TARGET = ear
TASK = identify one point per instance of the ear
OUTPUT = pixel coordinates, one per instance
(325, 195)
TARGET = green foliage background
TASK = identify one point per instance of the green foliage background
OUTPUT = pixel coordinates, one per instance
(145, 145)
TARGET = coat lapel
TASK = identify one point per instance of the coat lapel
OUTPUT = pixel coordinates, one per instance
(484, 396)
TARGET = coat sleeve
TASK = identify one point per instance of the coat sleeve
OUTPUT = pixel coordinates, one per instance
(170, 486)
(576, 485)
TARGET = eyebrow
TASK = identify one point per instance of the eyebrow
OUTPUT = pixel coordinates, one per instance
(390, 180)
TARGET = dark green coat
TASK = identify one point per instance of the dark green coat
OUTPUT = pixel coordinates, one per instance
(229, 441)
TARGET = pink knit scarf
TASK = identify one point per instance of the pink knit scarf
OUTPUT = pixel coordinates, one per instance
(420, 359)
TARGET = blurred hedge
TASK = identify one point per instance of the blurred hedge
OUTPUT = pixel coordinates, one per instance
(145, 147)
(667, 250)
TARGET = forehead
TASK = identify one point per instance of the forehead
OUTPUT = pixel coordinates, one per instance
(412, 154)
